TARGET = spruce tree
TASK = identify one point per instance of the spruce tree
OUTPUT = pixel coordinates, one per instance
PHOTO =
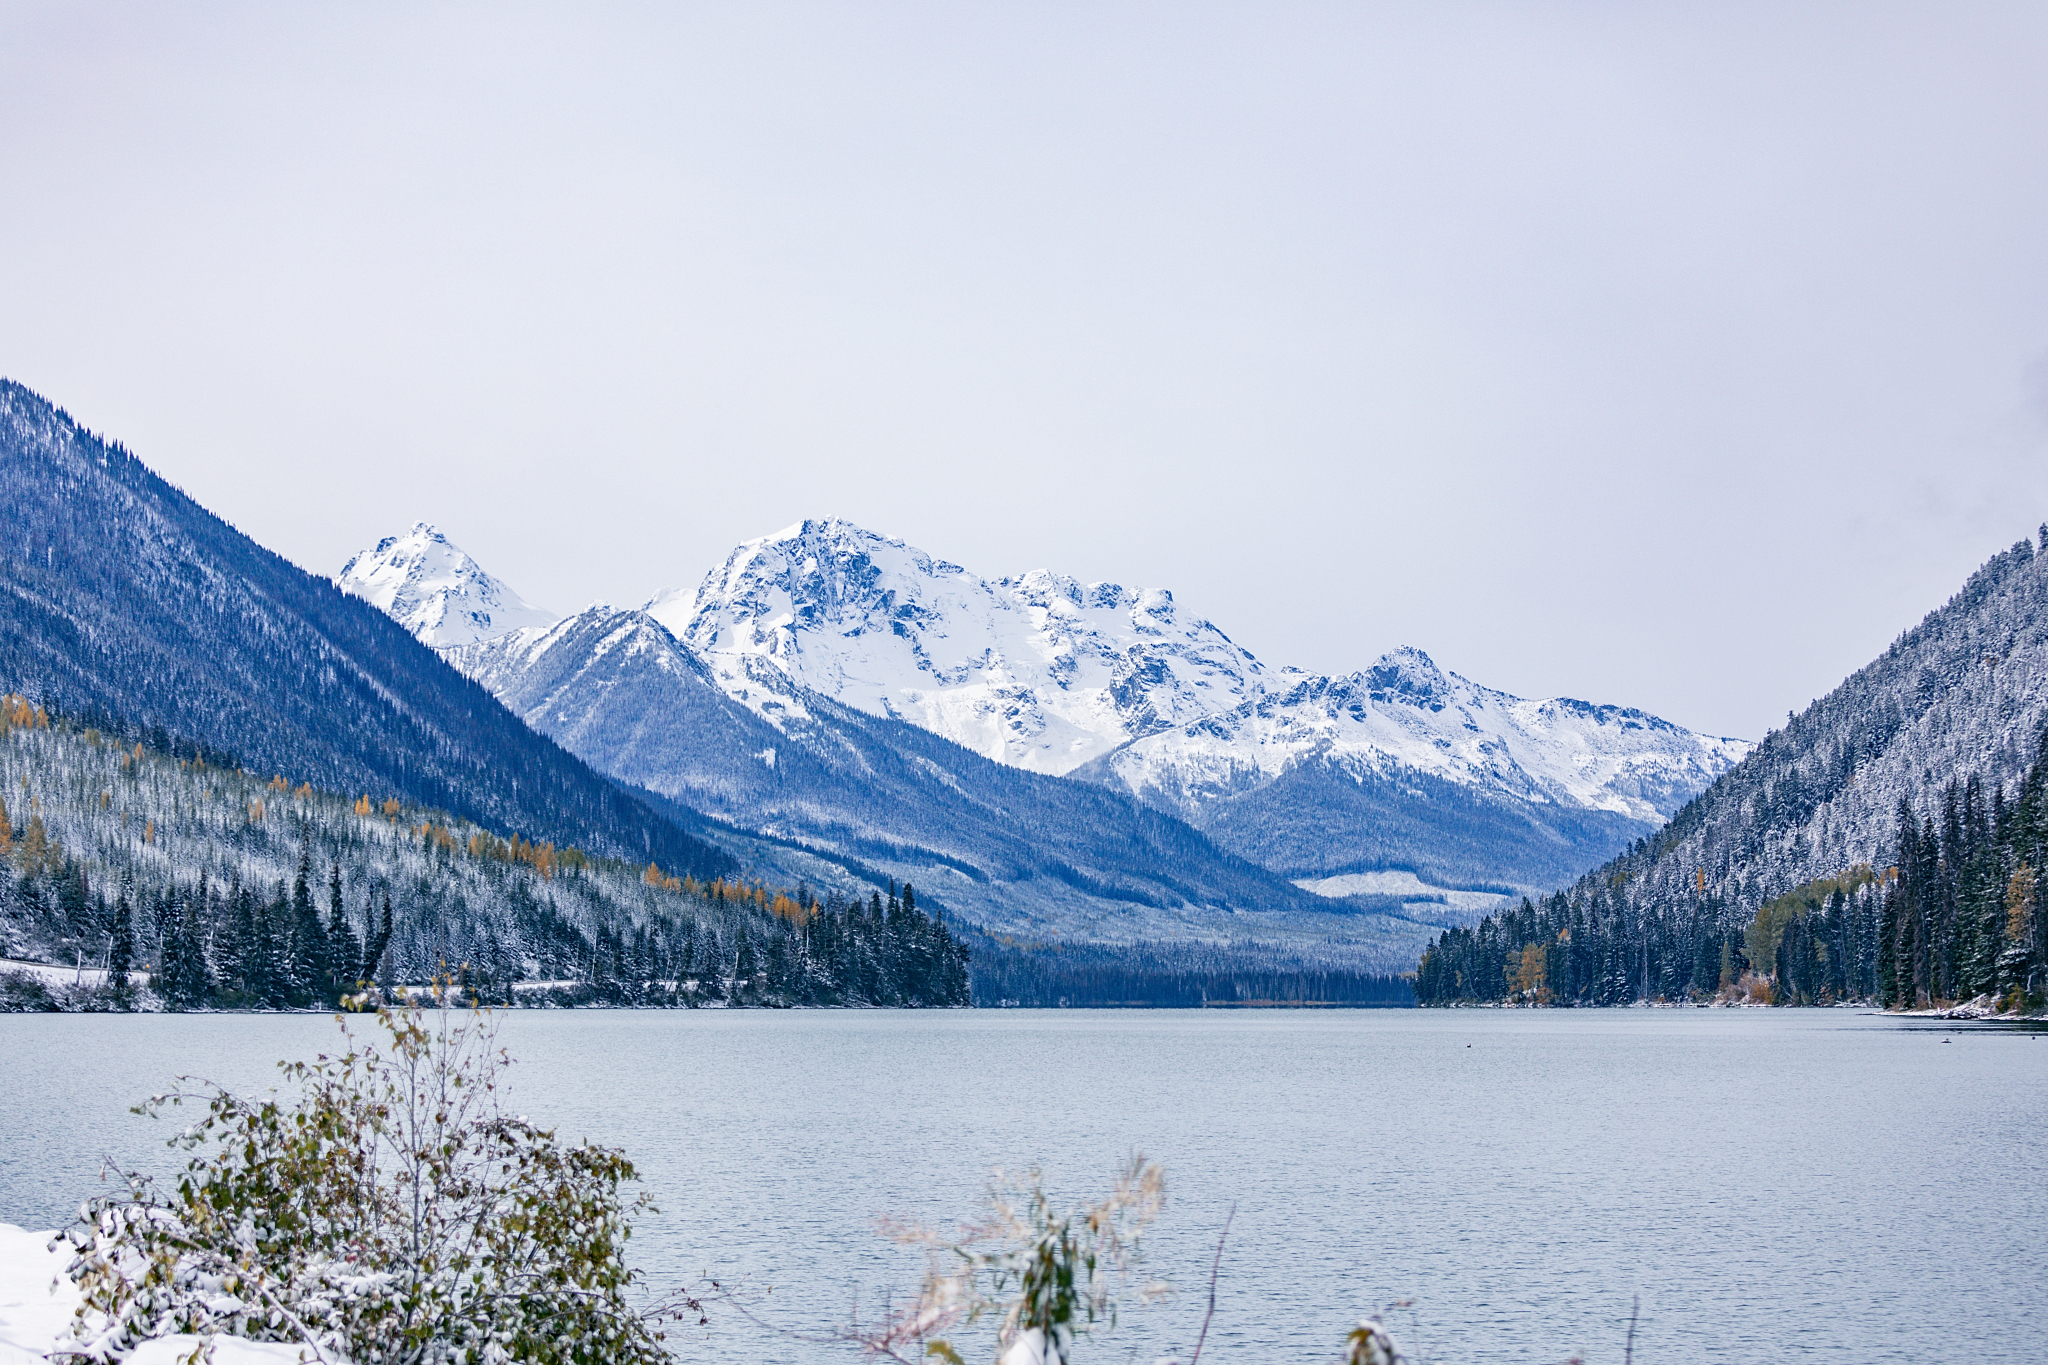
(378, 942)
(121, 951)
(344, 953)
(309, 971)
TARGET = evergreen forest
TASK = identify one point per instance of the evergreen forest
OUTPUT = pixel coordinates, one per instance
(1956, 914)
(180, 882)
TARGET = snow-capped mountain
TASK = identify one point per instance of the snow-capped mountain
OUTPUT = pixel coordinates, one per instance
(429, 586)
(1406, 714)
(1039, 671)
(1044, 672)
(1402, 766)
(815, 788)
(1405, 765)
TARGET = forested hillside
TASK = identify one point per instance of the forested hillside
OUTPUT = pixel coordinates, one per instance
(224, 887)
(1885, 845)
(120, 597)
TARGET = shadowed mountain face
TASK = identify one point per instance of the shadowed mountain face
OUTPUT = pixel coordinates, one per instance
(121, 597)
(1317, 821)
(1017, 852)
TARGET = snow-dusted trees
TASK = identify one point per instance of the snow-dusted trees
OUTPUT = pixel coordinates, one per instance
(221, 870)
(1954, 914)
(1926, 765)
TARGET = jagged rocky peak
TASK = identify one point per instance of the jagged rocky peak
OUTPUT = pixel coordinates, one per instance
(1040, 670)
(1409, 676)
(427, 584)
(817, 574)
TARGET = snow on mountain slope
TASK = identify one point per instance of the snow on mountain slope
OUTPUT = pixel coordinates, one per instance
(1406, 713)
(1401, 766)
(1046, 673)
(429, 586)
(1040, 671)
(819, 788)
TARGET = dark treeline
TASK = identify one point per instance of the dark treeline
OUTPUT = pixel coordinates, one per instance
(831, 952)
(205, 945)
(1168, 976)
(1958, 915)
(241, 949)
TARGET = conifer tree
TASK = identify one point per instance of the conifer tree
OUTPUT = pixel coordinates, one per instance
(309, 970)
(121, 951)
(373, 951)
(344, 953)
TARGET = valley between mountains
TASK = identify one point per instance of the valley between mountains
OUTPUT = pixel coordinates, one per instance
(840, 770)
(840, 704)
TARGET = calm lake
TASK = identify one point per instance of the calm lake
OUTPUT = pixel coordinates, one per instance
(1773, 1185)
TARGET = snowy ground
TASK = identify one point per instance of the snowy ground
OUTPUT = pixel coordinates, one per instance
(1418, 892)
(37, 1301)
(55, 975)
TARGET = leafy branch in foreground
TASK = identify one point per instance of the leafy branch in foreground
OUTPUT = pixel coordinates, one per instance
(1046, 1276)
(392, 1212)
(1049, 1277)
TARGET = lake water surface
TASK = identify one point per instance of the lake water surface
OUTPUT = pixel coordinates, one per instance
(1773, 1185)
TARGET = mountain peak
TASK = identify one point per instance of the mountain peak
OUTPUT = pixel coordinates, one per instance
(1409, 675)
(1040, 670)
(426, 582)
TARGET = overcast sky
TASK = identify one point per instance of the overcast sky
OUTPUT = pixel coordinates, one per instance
(1676, 356)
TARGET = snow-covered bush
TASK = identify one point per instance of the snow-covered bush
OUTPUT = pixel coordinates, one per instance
(384, 1209)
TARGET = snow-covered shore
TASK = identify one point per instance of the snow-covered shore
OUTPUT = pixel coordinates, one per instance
(37, 1301)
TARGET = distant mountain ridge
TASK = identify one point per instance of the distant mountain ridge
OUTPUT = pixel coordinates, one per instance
(122, 598)
(1406, 713)
(1045, 672)
(1039, 671)
(1400, 766)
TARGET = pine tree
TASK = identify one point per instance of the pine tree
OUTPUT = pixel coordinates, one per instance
(309, 970)
(121, 951)
(344, 953)
(274, 974)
